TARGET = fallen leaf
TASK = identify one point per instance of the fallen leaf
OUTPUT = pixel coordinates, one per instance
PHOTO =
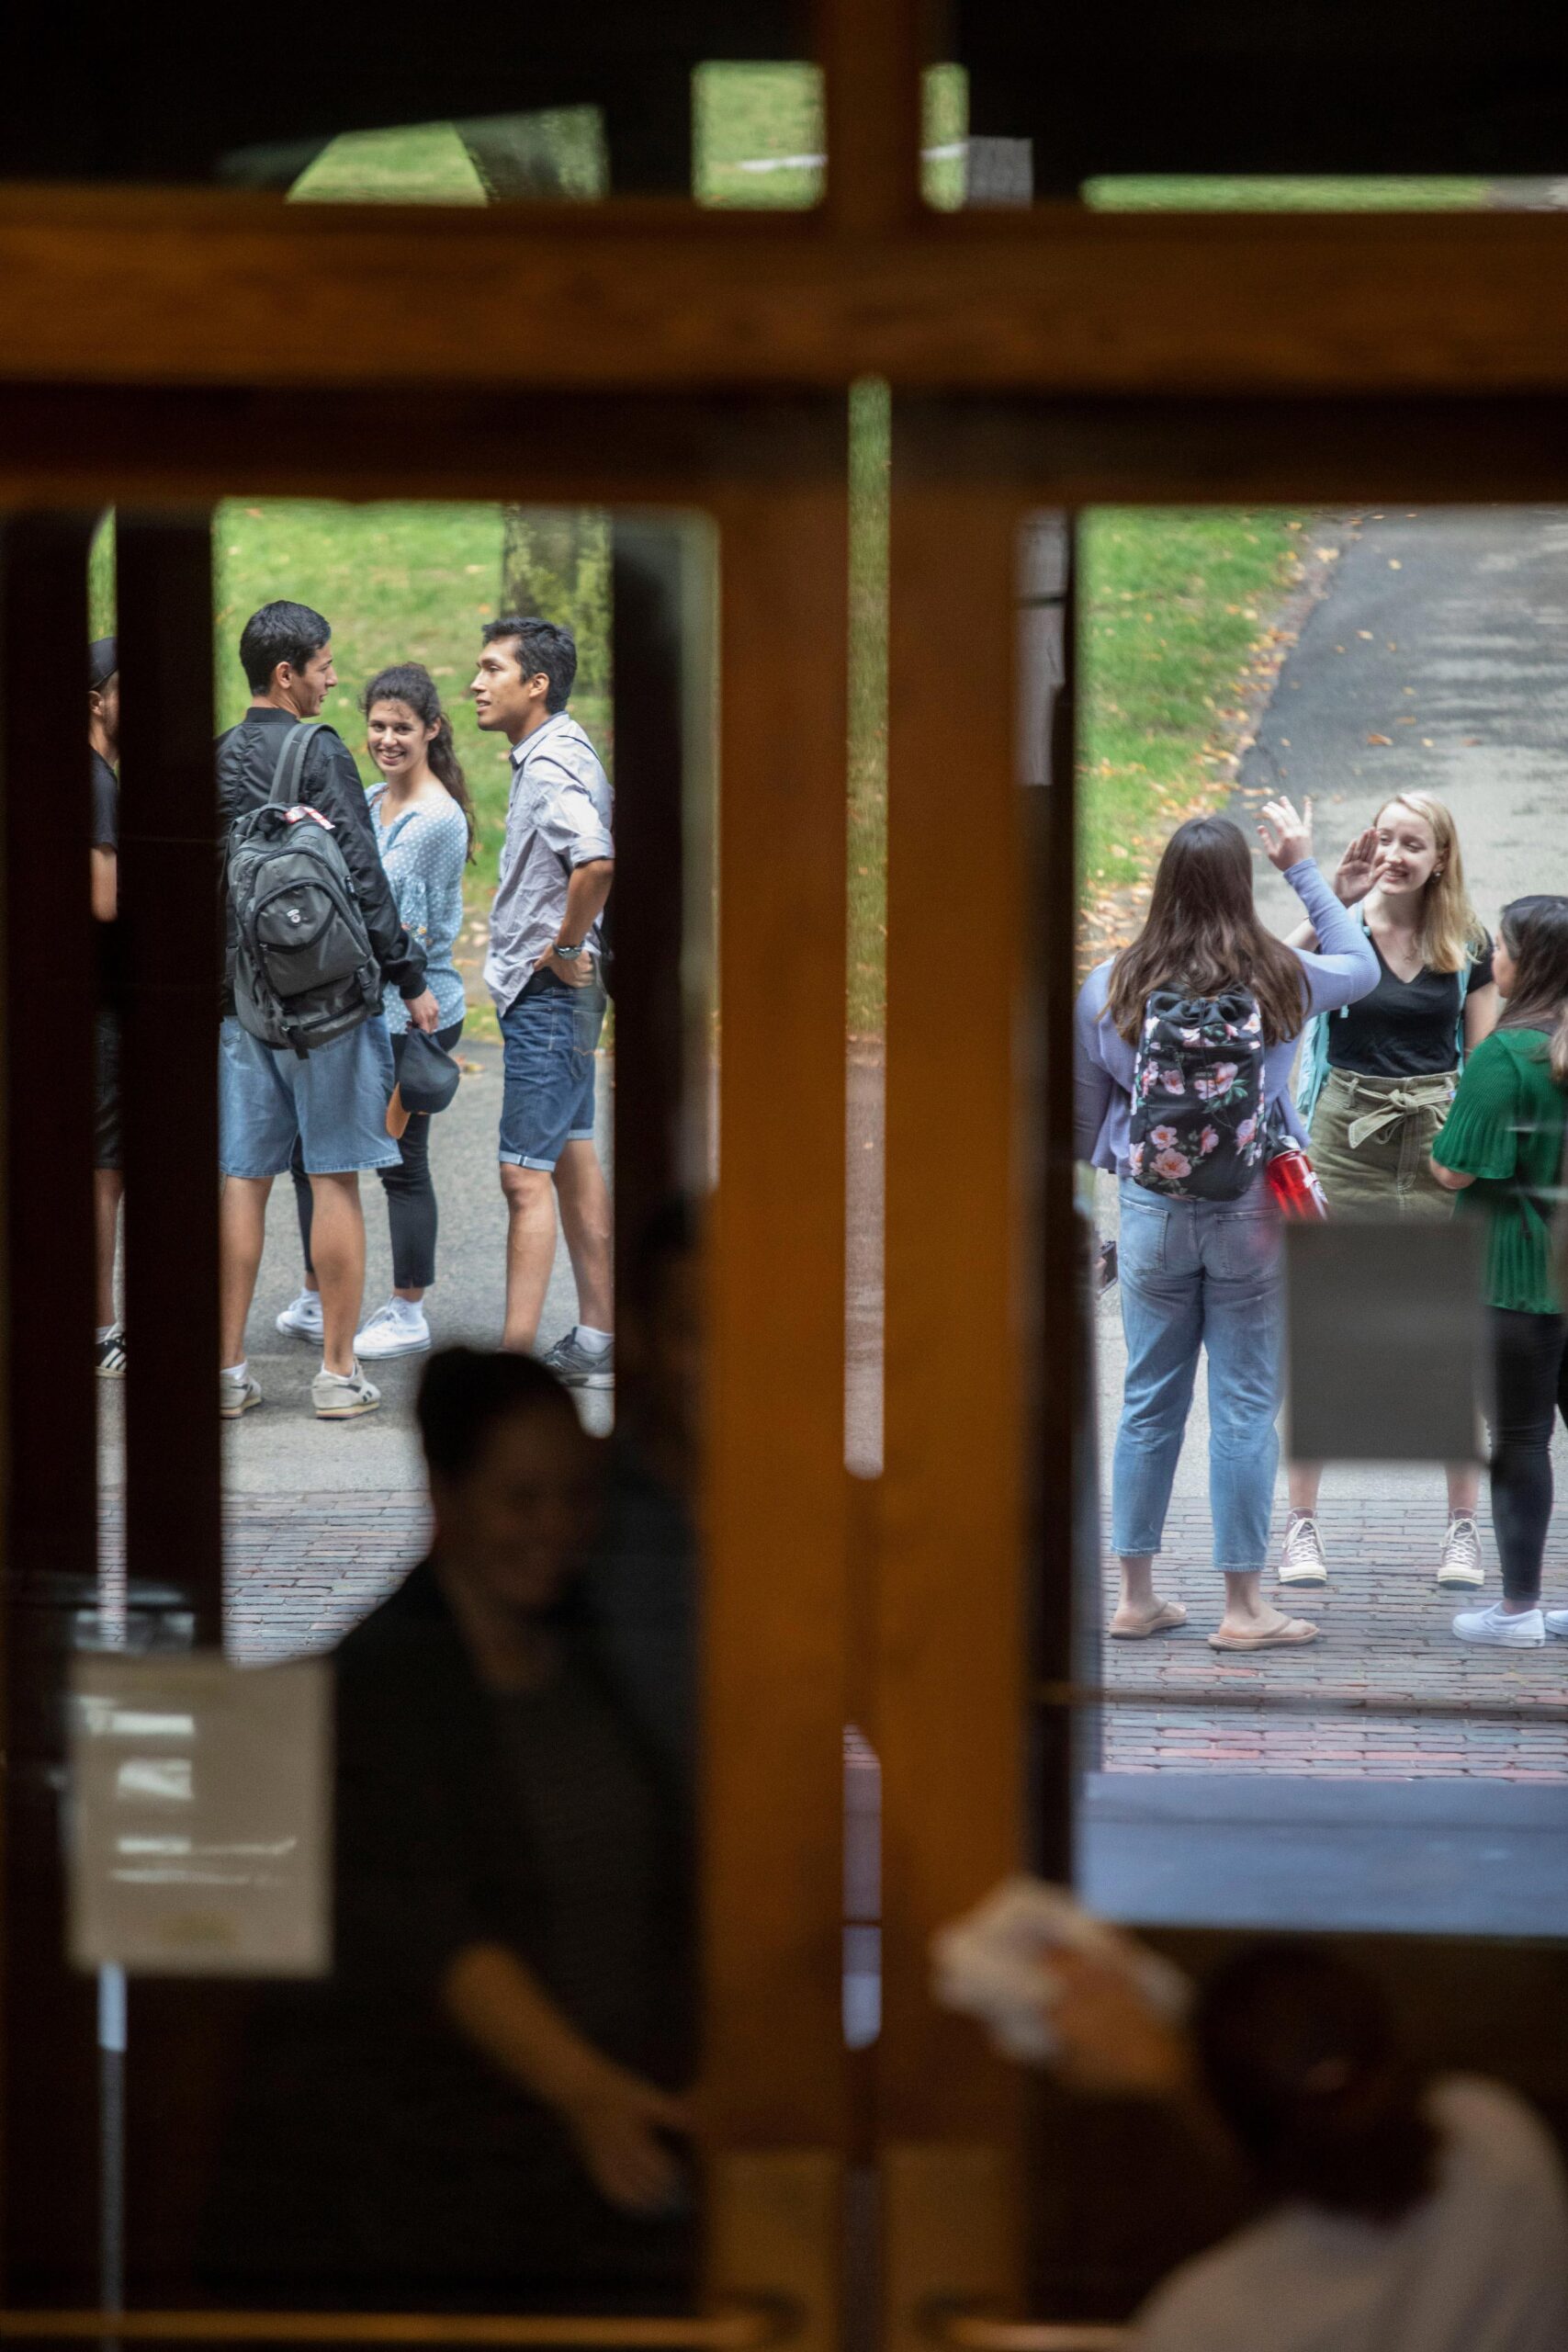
(1381, 739)
(1366, 633)
(1394, 564)
(1404, 722)
(1471, 738)
(1284, 742)
(1427, 743)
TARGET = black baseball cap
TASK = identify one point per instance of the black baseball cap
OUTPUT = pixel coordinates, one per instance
(427, 1075)
(103, 660)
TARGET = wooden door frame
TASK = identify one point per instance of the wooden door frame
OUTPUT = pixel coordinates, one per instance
(771, 479)
(983, 1309)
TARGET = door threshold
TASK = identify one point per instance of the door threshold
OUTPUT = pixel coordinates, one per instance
(1272, 1850)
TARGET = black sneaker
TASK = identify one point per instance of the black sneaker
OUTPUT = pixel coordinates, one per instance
(108, 1355)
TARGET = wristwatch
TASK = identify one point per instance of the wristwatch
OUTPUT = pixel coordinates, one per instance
(568, 955)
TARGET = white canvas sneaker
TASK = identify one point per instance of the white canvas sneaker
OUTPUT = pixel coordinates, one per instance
(399, 1329)
(1525, 1632)
(1301, 1557)
(1461, 1561)
(301, 1318)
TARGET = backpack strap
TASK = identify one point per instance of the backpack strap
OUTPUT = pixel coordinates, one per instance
(1464, 972)
(1313, 1073)
(288, 774)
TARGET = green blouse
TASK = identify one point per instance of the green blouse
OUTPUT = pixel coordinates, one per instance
(1504, 1128)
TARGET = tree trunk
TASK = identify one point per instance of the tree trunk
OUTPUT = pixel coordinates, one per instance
(554, 566)
(554, 561)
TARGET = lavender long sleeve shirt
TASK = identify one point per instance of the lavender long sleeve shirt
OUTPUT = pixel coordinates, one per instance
(1344, 968)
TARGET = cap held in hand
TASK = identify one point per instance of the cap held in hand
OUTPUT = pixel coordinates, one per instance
(427, 1076)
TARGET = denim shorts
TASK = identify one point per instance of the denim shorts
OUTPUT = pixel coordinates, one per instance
(334, 1100)
(550, 1034)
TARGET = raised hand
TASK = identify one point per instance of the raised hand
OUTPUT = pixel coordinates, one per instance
(1354, 874)
(1286, 837)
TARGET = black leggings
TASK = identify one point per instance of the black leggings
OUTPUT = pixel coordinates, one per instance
(1530, 1354)
(411, 1194)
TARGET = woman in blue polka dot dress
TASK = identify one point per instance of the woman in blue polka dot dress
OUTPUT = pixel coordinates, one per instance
(424, 826)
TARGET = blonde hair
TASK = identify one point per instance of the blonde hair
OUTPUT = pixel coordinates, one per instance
(1451, 931)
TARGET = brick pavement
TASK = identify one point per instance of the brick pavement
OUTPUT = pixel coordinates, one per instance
(1385, 1632)
(302, 1569)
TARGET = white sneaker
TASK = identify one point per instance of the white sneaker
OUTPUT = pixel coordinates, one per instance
(1300, 1558)
(1525, 1632)
(301, 1318)
(237, 1397)
(343, 1396)
(1461, 1561)
(1557, 1623)
(399, 1329)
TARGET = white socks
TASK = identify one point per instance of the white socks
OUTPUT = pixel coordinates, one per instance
(593, 1342)
(235, 1371)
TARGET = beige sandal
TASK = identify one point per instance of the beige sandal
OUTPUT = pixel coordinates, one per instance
(1168, 1616)
(1294, 1634)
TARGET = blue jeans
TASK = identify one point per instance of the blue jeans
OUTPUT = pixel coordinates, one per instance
(1198, 1273)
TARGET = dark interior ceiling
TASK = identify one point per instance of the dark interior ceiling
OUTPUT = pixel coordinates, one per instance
(165, 90)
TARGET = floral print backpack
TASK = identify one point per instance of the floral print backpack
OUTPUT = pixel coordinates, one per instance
(1197, 1118)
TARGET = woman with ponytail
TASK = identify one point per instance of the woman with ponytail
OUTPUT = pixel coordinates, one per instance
(1501, 1150)
(1400, 2209)
(425, 827)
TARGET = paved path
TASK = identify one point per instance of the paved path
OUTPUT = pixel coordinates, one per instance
(1445, 632)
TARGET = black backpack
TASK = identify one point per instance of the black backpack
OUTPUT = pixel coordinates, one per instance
(1197, 1128)
(304, 971)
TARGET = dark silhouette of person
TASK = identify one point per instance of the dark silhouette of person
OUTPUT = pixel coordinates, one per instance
(482, 2106)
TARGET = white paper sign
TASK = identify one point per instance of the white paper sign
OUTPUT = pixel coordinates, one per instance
(200, 1816)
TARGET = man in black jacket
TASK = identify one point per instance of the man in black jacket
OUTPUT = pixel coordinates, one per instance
(335, 1098)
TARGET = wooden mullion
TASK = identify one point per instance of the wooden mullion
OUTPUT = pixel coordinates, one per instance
(50, 988)
(650, 665)
(168, 869)
(870, 52)
(49, 2066)
(776, 1616)
(124, 287)
(951, 1720)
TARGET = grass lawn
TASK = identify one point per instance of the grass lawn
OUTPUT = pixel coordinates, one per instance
(1176, 609)
(1174, 193)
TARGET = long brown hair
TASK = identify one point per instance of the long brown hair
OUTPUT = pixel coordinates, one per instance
(1203, 934)
(1535, 932)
